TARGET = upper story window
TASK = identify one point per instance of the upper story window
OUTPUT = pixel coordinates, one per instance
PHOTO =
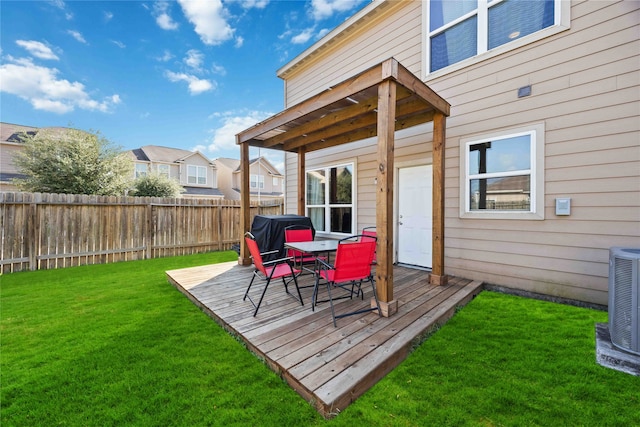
(141, 169)
(257, 181)
(196, 175)
(503, 174)
(275, 182)
(462, 29)
(163, 170)
(330, 198)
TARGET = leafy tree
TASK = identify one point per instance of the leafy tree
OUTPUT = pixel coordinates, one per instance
(72, 161)
(156, 185)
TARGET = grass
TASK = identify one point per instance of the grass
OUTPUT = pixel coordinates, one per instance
(116, 344)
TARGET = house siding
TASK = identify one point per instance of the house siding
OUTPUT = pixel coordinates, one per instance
(585, 90)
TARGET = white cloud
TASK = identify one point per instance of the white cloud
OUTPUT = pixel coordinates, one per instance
(239, 41)
(166, 56)
(41, 87)
(303, 37)
(208, 19)
(37, 49)
(321, 9)
(119, 44)
(323, 32)
(224, 137)
(218, 69)
(77, 35)
(163, 19)
(196, 85)
(60, 4)
(258, 4)
(108, 16)
(194, 59)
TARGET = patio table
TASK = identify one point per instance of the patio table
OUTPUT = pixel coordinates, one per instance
(314, 247)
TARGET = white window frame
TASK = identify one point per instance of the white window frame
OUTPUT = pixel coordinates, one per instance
(164, 170)
(138, 173)
(274, 182)
(562, 20)
(536, 211)
(256, 180)
(198, 173)
(327, 205)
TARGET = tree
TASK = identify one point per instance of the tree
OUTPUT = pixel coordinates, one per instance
(72, 161)
(156, 185)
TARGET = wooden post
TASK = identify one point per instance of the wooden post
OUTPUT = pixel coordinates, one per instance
(245, 206)
(33, 235)
(384, 196)
(437, 272)
(301, 180)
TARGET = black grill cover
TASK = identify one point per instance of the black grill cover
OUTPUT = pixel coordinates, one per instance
(269, 231)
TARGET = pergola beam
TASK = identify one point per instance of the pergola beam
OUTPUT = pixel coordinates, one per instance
(377, 102)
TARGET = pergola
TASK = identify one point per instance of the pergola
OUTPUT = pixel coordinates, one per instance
(379, 101)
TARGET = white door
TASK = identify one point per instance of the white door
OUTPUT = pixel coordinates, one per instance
(414, 215)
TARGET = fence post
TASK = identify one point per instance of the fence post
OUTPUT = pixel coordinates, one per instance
(148, 253)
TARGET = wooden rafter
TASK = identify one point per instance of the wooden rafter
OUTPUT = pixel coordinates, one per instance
(377, 102)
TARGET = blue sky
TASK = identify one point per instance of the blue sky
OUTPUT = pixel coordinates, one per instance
(186, 74)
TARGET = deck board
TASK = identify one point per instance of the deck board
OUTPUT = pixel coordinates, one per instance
(329, 367)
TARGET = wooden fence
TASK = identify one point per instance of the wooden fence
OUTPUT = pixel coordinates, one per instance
(45, 231)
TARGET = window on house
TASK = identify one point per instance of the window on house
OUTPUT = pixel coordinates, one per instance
(163, 170)
(504, 174)
(196, 174)
(330, 198)
(275, 182)
(461, 29)
(257, 181)
(141, 169)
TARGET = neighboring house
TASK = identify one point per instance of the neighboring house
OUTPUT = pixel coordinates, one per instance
(194, 171)
(266, 183)
(10, 143)
(545, 106)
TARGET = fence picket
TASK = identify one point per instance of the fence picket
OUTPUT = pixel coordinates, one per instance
(44, 231)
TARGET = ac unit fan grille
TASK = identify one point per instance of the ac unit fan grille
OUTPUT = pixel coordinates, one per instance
(622, 302)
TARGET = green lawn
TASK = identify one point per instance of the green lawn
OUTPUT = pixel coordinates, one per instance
(116, 344)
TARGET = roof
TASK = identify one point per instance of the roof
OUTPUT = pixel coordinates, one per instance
(262, 193)
(348, 112)
(9, 131)
(234, 164)
(230, 163)
(201, 191)
(156, 153)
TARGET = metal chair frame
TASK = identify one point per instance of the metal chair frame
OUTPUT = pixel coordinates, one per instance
(275, 269)
(300, 233)
(352, 266)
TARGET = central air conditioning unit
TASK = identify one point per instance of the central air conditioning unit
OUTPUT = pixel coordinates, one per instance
(624, 298)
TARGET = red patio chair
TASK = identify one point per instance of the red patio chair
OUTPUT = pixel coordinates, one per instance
(352, 266)
(299, 233)
(266, 271)
(369, 233)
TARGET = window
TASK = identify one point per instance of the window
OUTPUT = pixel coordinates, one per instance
(141, 169)
(163, 170)
(329, 198)
(504, 175)
(196, 174)
(257, 181)
(275, 182)
(462, 29)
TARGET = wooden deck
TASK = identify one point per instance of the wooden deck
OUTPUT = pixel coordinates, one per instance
(329, 367)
